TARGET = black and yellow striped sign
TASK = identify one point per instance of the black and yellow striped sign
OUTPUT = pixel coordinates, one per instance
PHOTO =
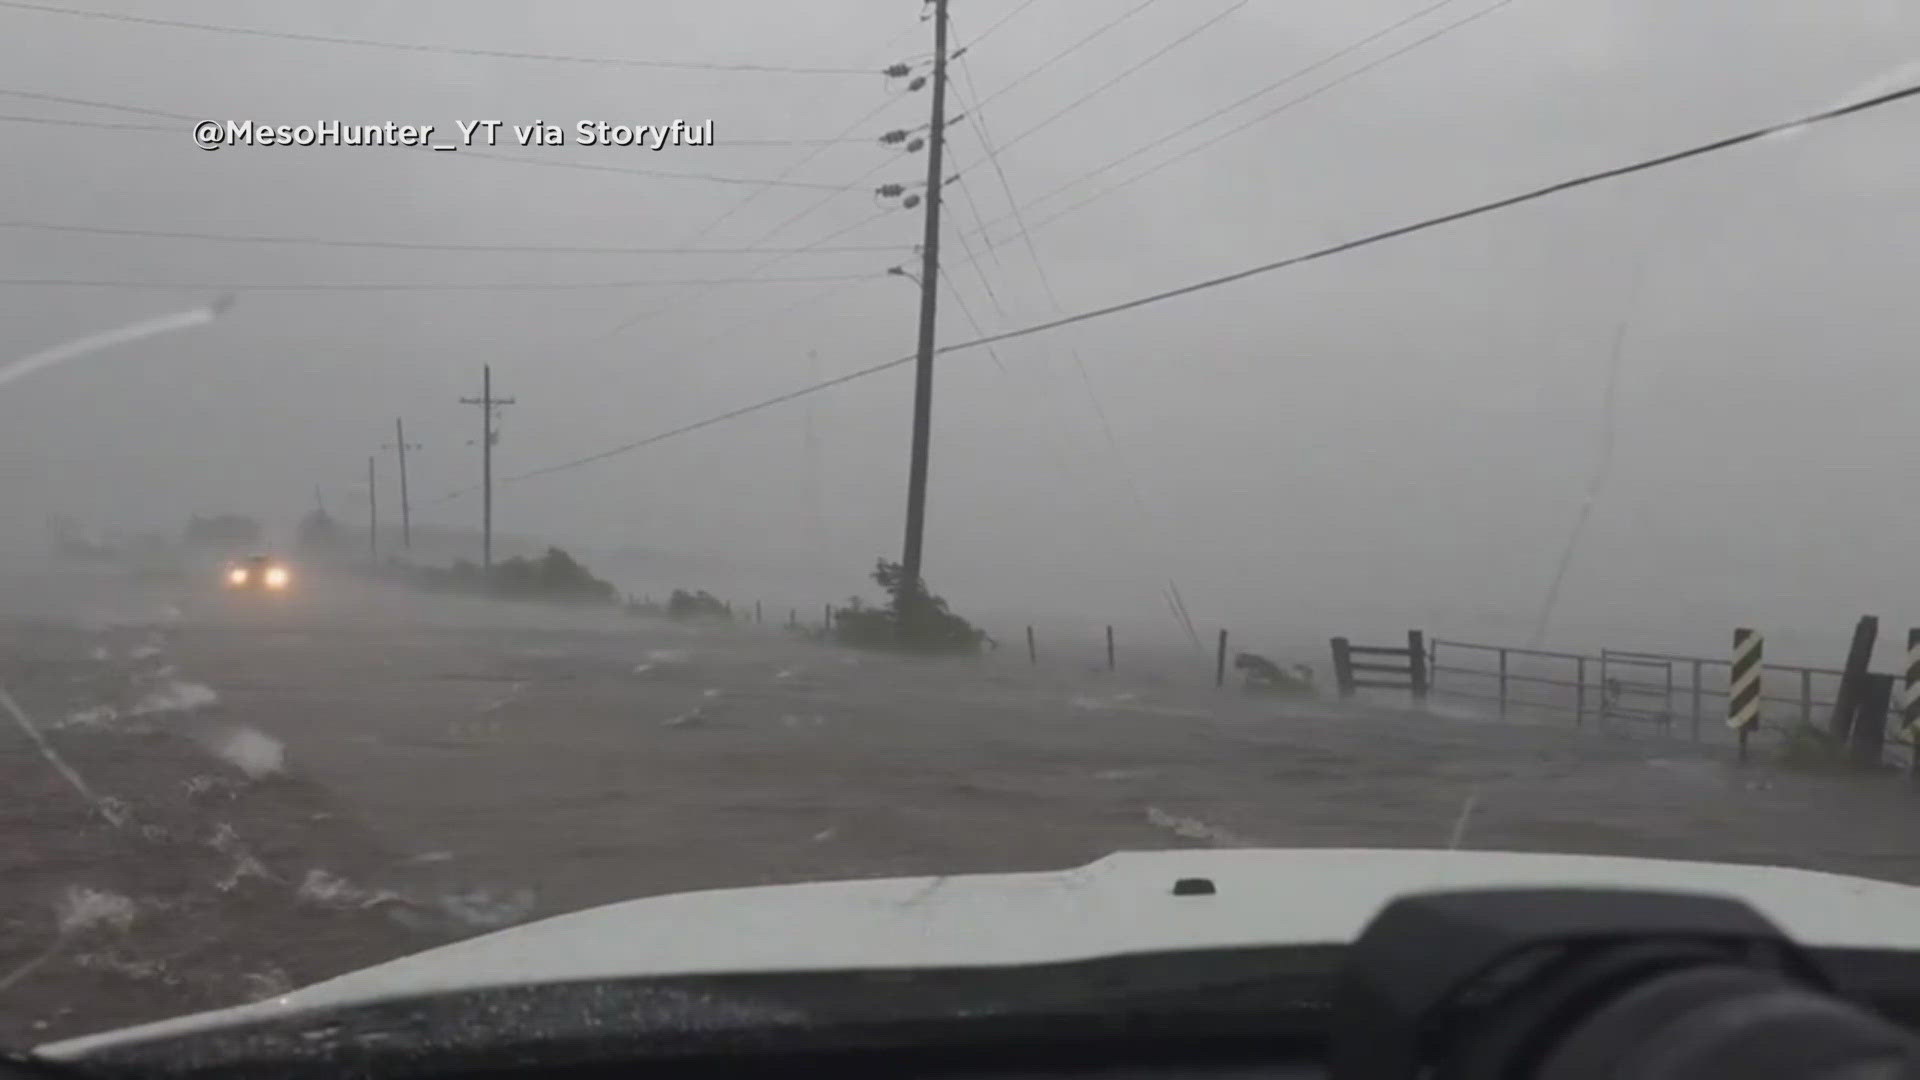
(1743, 688)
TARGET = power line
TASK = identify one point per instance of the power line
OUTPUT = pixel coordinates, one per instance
(658, 174)
(141, 110)
(654, 173)
(728, 144)
(1114, 451)
(1069, 50)
(1395, 233)
(64, 122)
(1284, 81)
(448, 50)
(1277, 110)
(358, 286)
(677, 302)
(1105, 86)
(997, 24)
(424, 245)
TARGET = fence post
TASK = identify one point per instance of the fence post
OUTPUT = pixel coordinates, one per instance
(756, 613)
(1033, 657)
(1342, 667)
(793, 616)
(1503, 683)
(1416, 662)
(1806, 698)
(826, 619)
(1696, 701)
(1910, 705)
(1220, 661)
(1580, 691)
(1743, 686)
(1109, 646)
(1666, 707)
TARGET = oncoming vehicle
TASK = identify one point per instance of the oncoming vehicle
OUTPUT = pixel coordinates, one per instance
(258, 573)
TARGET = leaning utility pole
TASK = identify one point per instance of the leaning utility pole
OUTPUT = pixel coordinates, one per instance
(929, 289)
(488, 436)
(401, 444)
(373, 517)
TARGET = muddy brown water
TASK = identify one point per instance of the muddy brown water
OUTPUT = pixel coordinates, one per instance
(433, 771)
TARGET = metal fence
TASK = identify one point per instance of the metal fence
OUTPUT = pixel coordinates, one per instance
(1658, 691)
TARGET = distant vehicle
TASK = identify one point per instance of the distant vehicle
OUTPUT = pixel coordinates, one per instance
(258, 573)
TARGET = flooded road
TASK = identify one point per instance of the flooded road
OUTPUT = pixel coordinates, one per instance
(313, 787)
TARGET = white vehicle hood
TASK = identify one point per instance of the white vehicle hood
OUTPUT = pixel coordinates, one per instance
(1121, 904)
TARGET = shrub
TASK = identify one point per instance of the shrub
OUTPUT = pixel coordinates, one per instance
(697, 606)
(1806, 748)
(915, 620)
(553, 576)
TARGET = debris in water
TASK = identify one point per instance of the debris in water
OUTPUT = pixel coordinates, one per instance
(204, 788)
(98, 718)
(331, 890)
(101, 654)
(812, 720)
(432, 857)
(686, 719)
(143, 652)
(1195, 829)
(823, 836)
(668, 656)
(1122, 774)
(709, 693)
(176, 697)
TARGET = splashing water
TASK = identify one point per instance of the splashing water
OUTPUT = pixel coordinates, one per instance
(176, 697)
(256, 754)
(83, 908)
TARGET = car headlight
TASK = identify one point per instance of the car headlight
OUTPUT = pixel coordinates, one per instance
(237, 576)
(277, 577)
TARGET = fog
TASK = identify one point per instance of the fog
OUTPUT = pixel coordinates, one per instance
(1402, 436)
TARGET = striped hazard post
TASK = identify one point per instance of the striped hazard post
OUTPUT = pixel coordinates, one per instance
(1910, 704)
(1743, 686)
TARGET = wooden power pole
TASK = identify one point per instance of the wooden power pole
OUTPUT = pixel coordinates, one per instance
(401, 445)
(488, 436)
(929, 290)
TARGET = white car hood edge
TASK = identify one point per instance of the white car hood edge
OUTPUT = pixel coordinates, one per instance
(1120, 904)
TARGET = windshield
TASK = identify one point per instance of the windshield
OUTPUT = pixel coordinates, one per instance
(741, 444)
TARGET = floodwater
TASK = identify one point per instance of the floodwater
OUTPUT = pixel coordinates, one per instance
(229, 799)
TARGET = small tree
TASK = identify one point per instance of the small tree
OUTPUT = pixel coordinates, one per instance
(914, 620)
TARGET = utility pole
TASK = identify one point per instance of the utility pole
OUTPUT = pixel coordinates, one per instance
(373, 517)
(401, 444)
(929, 290)
(488, 436)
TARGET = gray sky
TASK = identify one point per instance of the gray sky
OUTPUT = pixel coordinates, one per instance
(1399, 436)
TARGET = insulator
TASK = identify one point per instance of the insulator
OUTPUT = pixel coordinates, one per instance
(890, 191)
(898, 71)
(914, 146)
(910, 201)
(895, 136)
(918, 82)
